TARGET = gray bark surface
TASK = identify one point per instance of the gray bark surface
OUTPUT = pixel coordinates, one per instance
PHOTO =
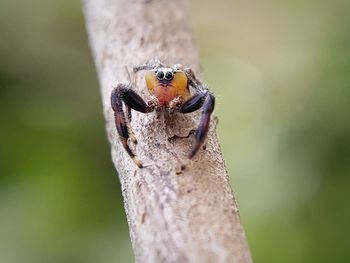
(174, 214)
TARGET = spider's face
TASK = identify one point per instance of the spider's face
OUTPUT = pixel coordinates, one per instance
(166, 77)
(167, 83)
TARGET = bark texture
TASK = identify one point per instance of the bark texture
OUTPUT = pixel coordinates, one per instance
(174, 214)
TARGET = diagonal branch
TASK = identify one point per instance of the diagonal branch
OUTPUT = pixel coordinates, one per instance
(175, 213)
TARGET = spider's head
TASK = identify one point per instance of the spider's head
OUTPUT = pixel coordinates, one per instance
(168, 77)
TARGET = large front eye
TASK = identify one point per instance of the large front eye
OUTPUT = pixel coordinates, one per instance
(160, 74)
(169, 75)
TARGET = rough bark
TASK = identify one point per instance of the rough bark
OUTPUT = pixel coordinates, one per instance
(174, 214)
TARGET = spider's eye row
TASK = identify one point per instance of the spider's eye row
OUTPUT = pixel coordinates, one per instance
(160, 74)
(169, 75)
(164, 75)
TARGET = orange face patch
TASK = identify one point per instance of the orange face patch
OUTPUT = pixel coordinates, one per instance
(167, 91)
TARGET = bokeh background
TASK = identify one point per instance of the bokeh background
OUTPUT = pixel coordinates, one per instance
(281, 74)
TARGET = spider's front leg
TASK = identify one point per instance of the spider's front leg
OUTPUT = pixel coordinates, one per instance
(124, 94)
(193, 80)
(206, 102)
(148, 66)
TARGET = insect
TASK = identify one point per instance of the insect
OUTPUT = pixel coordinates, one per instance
(169, 90)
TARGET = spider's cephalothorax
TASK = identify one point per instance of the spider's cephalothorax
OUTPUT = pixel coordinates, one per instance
(167, 84)
(169, 88)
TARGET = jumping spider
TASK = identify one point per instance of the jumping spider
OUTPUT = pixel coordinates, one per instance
(169, 88)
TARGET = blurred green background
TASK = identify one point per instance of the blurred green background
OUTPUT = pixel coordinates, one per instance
(281, 74)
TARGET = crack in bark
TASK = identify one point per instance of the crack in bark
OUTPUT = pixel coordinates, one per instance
(178, 137)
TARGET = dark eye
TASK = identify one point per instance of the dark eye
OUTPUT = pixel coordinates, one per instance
(169, 75)
(160, 74)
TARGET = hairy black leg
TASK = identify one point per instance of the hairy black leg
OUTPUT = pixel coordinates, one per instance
(193, 104)
(203, 127)
(205, 101)
(123, 94)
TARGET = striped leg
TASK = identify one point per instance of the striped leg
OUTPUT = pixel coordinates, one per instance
(123, 94)
(206, 102)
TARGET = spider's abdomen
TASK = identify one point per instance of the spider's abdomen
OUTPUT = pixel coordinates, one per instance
(166, 91)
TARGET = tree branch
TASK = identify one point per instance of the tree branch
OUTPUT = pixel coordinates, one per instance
(175, 214)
